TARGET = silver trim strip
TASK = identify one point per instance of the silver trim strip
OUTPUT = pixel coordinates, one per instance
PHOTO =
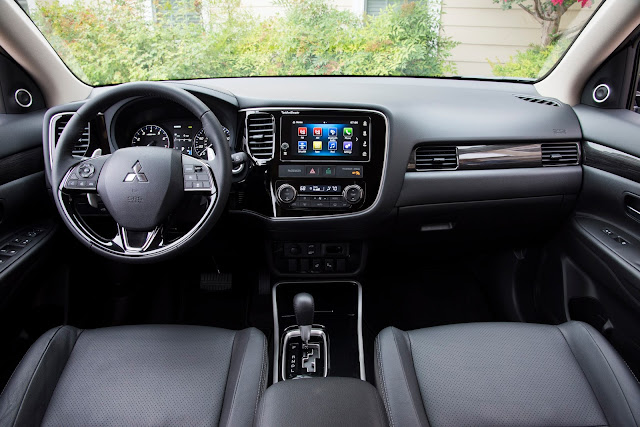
(108, 246)
(330, 216)
(315, 332)
(276, 325)
(498, 156)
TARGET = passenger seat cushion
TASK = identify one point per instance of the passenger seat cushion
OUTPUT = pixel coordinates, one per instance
(504, 374)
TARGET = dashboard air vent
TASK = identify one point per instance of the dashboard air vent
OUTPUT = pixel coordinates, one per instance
(79, 149)
(261, 136)
(436, 158)
(537, 100)
(560, 154)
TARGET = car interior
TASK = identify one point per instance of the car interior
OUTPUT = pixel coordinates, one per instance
(322, 250)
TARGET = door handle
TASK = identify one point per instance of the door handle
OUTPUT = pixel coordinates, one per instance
(632, 206)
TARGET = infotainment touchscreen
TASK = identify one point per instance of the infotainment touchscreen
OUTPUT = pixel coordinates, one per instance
(326, 138)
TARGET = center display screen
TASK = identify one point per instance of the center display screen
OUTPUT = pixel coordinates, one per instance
(326, 138)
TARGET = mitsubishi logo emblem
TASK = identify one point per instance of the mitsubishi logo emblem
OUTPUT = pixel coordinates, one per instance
(137, 174)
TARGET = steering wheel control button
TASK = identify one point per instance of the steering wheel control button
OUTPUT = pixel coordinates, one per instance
(353, 194)
(286, 193)
(196, 176)
(86, 170)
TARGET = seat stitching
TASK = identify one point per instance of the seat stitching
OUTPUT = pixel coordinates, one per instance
(259, 394)
(235, 389)
(582, 369)
(384, 384)
(415, 410)
(612, 371)
(35, 370)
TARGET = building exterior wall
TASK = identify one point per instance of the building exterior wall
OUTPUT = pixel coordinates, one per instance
(488, 33)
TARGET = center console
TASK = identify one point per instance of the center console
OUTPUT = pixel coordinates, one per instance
(324, 162)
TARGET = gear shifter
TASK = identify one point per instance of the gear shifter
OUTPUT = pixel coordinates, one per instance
(303, 307)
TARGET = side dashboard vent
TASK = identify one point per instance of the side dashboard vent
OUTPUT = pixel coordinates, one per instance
(261, 134)
(79, 149)
(536, 100)
(560, 154)
(436, 158)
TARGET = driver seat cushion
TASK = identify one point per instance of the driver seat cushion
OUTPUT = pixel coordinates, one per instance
(504, 374)
(138, 375)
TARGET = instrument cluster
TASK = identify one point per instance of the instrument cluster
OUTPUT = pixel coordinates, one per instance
(185, 135)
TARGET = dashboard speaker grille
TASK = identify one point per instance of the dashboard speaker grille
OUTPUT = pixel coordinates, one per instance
(436, 158)
(261, 136)
(79, 149)
(561, 154)
(536, 100)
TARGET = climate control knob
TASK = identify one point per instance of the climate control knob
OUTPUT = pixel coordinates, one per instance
(286, 193)
(353, 194)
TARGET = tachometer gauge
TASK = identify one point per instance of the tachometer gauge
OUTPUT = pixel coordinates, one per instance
(201, 142)
(151, 135)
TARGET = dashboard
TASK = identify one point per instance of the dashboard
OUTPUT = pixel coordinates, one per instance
(356, 153)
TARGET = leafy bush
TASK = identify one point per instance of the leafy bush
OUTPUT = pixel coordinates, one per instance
(532, 63)
(113, 41)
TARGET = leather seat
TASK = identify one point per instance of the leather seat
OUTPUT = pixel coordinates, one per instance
(504, 374)
(138, 375)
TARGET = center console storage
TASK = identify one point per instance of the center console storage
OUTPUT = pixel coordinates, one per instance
(321, 402)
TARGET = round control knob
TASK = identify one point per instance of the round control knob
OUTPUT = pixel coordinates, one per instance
(353, 194)
(86, 170)
(286, 193)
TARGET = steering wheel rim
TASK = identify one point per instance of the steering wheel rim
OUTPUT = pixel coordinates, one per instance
(219, 171)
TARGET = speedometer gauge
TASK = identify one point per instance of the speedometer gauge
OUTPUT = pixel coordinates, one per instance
(151, 135)
(201, 142)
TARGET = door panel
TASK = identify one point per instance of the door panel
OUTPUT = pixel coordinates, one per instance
(597, 258)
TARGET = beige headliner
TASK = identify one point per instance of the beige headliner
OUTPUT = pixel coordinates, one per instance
(615, 20)
(27, 46)
(608, 28)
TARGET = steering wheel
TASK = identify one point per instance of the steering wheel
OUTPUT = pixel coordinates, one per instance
(141, 186)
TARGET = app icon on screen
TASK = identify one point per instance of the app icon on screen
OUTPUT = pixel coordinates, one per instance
(348, 132)
(347, 146)
(302, 145)
(333, 145)
(333, 132)
(317, 131)
(317, 145)
(302, 131)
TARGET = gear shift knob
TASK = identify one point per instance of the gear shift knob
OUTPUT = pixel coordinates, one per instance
(303, 307)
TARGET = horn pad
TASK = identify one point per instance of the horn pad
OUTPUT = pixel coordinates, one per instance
(141, 186)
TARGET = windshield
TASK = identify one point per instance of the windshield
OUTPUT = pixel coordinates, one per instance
(114, 41)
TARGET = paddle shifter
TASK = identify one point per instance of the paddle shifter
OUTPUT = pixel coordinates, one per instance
(303, 307)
